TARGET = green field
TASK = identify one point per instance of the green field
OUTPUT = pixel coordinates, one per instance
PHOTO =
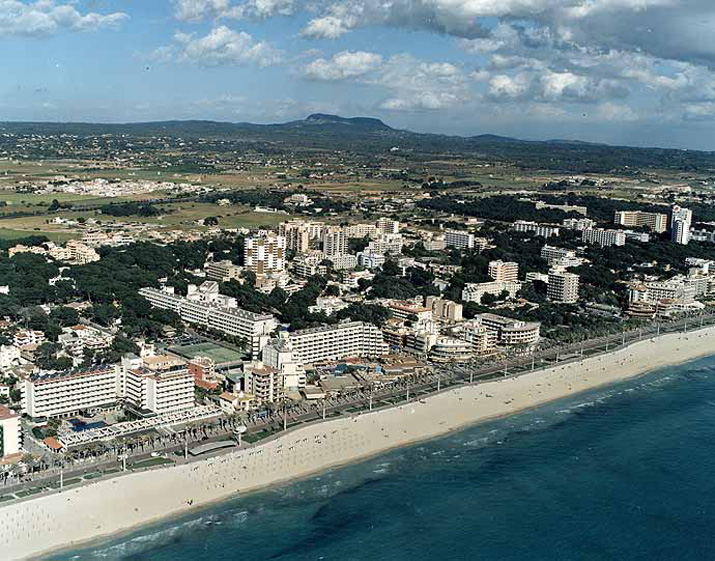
(215, 352)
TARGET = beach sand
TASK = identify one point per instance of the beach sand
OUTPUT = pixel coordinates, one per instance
(28, 528)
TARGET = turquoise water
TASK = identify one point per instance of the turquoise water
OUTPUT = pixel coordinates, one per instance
(627, 472)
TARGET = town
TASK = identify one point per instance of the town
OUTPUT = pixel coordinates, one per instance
(145, 322)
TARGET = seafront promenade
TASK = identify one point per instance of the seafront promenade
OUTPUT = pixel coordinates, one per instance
(76, 514)
(173, 450)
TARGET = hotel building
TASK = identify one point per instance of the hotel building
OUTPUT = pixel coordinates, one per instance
(654, 221)
(334, 342)
(504, 271)
(563, 287)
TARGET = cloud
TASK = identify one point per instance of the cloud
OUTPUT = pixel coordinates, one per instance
(411, 84)
(46, 17)
(221, 46)
(343, 65)
(200, 10)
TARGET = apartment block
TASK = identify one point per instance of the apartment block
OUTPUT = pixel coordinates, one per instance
(220, 315)
(64, 394)
(264, 255)
(335, 242)
(541, 230)
(563, 287)
(654, 221)
(333, 342)
(474, 292)
(603, 237)
(10, 433)
(459, 239)
(223, 271)
(511, 332)
(681, 224)
(504, 271)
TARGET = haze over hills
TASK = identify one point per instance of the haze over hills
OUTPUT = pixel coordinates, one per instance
(370, 135)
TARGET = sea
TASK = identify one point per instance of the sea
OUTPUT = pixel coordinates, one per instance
(625, 472)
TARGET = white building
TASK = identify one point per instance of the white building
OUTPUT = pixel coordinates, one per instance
(279, 355)
(603, 237)
(474, 292)
(563, 287)
(335, 242)
(64, 394)
(542, 230)
(504, 271)
(158, 392)
(370, 260)
(680, 225)
(578, 224)
(552, 254)
(654, 221)
(215, 314)
(333, 342)
(387, 226)
(264, 255)
(459, 239)
(10, 433)
(511, 332)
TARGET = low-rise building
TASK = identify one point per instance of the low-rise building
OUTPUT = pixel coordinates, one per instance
(223, 271)
(474, 292)
(511, 332)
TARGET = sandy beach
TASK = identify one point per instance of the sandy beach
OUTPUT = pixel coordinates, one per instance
(45, 523)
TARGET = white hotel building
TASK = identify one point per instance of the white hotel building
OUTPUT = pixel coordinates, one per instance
(156, 392)
(214, 311)
(333, 342)
(66, 393)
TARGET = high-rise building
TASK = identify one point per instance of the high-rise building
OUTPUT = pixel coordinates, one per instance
(63, 394)
(654, 221)
(680, 223)
(335, 242)
(265, 254)
(10, 433)
(387, 226)
(563, 287)
(458, 239)
(299, 233)
(334, 342)
(504, 271)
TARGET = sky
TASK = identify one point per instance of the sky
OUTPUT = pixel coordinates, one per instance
(636, 72)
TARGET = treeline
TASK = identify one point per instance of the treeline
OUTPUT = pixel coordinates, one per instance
(502, 208)
(131, 209)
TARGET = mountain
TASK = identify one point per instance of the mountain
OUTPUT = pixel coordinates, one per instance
(369, 136)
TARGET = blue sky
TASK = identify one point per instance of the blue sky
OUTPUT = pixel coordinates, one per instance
(619, 71)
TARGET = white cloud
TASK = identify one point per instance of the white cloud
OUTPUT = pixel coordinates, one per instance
(343, 65)
(47, 17)
(411, 84)
(200, 10)
(617, 112)
(221, 46)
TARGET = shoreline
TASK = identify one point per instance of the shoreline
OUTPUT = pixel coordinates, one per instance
(148, 497)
